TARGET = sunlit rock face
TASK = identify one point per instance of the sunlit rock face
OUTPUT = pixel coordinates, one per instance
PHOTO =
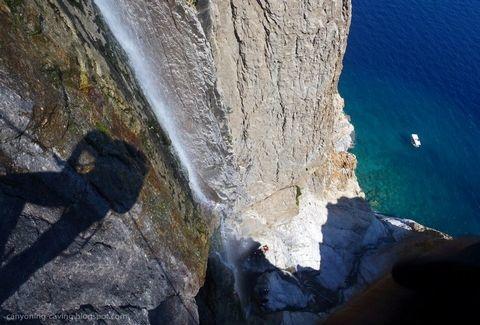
(278, 65)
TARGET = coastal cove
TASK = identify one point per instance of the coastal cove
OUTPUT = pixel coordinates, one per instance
(412, 67)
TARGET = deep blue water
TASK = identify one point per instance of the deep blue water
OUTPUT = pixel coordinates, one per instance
(413, 66)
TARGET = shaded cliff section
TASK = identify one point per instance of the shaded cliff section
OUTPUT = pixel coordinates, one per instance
(96, 216)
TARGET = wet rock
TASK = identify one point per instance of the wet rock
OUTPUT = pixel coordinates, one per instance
(280, 291)
(218, 300)
(291, 318)
(174, 311)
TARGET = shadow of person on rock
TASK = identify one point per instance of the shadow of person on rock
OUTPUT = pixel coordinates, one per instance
(101, 175)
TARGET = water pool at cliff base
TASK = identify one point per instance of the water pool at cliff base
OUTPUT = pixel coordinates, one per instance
(413, 66)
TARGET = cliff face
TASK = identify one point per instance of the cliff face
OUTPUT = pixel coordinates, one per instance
(310, 241)
(126, 126)
(172, 61)
(96, 217)
(278, 67)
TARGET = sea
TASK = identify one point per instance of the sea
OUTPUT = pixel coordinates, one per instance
(413, 66)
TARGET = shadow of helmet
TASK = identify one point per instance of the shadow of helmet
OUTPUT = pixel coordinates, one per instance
(114, 168)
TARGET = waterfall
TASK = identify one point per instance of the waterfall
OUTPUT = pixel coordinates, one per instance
(142, 29)
(156, 43)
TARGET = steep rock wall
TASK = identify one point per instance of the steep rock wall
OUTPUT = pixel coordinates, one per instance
(97, 217)
(278, 65)
(173, 64)
(310, 241)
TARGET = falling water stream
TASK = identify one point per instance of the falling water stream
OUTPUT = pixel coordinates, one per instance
(144, 29)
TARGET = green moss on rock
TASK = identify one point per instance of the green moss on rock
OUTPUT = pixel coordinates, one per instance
(297, 195)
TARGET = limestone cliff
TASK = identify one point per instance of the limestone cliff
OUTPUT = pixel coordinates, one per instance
(310, 241)
(278, 66)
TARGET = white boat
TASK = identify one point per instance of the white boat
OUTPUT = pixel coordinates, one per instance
(416, 140)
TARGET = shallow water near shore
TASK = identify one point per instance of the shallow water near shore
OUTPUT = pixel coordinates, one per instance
(413, 66)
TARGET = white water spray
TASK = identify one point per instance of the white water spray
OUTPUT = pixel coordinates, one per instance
(134, 25)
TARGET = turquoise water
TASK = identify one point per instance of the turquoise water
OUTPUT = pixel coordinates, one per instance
(413, 66)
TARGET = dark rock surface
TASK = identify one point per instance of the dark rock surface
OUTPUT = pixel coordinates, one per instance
(218, 301)
(96, 219)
